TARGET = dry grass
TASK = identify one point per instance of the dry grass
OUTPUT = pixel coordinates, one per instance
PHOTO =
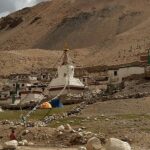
(37, 115)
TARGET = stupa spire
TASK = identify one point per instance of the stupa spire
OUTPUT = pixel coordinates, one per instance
(66, 59)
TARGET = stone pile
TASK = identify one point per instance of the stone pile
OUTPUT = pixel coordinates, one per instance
(25, 143)
(75, 136)
(112, 144)
(74, 112)
(39, 124)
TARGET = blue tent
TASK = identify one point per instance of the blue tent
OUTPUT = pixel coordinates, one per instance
(56, 103)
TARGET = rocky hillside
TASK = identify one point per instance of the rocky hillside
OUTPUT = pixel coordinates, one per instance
(104, 31)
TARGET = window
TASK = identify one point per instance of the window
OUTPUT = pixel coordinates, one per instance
(115, 73)
(65, 74)
(44, 76)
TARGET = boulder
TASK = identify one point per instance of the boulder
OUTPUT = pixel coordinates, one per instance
(20, 143)
(76, 139)
(68, 128)
(116, 144)
(30, 144)
(94, 144)
(10, 145)
(25, 142)
(82, 148)
(61, 128)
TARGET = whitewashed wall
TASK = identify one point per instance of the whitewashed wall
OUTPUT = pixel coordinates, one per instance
(125, 72)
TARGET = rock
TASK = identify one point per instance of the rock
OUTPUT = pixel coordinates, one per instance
(6, 122)
(30, 144)
(107, 119)
(77, 138)
(94, 144)
(95, 119)
(40, 124)
(60, 133)
(88, 118)
(72, 121)
(116, 144)
(25, 132)
(10, 145)
(25, 142)
(68, 128)
(20, 143)
(73, 131)
(1, 110)
(80, 134)
(83, 128)
(79, 130)
(88, 133)
(127, 139)
(82, 148)
(61, 128)
(13, 127)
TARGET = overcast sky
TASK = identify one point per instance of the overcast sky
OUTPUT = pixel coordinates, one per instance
(7, 6)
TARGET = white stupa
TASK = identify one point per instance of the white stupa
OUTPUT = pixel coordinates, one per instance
(65, 79)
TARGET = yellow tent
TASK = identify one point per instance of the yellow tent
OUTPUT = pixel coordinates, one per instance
(46, 105)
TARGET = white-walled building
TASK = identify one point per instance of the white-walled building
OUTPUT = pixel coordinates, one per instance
(116, 75)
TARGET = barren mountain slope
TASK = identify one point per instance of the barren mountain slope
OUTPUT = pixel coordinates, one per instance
(104, 32)
(82, 23)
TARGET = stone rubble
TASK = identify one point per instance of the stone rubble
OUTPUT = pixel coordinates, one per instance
(91, 140)
(69, 136)
(25, 143)
(76, 136)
